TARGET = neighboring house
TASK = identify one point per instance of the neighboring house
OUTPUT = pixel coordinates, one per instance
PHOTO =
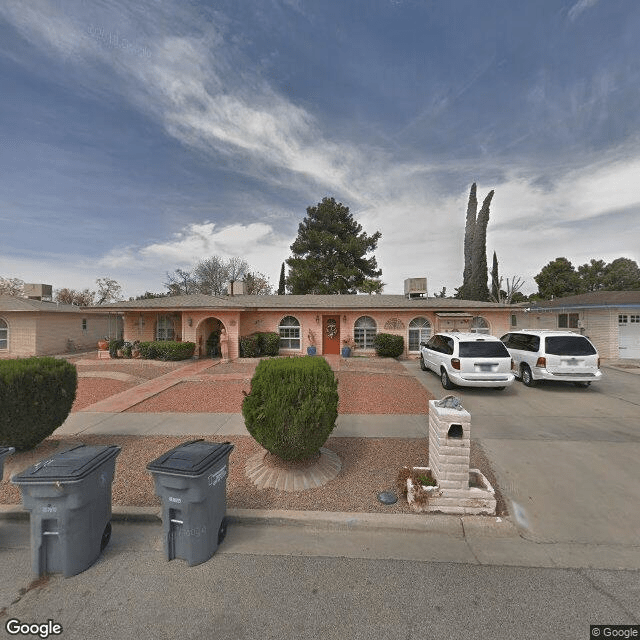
(610, 319)
(36, 328)
(323, 320)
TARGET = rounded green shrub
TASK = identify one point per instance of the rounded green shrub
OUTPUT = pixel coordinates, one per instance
(293, 406)
(36, 395)
(167, 350)
(269, 343)
(250, 346)
(388, 345)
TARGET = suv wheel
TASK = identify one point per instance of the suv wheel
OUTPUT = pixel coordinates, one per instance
(527, 377)
(423, 366)
(444, 378)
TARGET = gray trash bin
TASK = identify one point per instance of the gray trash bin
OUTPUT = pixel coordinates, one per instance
(4, 452)
(69, 497)
(191, 481)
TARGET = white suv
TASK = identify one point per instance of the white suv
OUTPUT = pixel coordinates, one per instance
(553, 355)
(467, 360)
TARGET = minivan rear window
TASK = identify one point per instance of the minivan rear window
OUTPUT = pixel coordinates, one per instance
(569, 346)
(489, 349)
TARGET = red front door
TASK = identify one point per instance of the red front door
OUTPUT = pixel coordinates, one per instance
(331, 334)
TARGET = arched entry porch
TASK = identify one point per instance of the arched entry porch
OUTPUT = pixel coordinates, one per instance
(208, 337)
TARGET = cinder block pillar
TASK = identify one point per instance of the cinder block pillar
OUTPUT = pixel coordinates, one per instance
(449, 443)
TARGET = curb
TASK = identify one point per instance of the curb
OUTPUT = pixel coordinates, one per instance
(450, 525)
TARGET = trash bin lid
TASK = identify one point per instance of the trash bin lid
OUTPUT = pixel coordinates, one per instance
(72, 464)
(191, 458)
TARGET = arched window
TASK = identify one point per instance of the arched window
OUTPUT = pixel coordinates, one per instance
(364, 332)
(4, 334)
(164, 328)
(419, 331)
(479, 325)
(289, 330)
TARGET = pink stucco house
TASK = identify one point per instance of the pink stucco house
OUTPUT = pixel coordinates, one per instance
(326, 321)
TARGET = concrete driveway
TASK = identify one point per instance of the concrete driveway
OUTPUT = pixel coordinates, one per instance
(566, 459)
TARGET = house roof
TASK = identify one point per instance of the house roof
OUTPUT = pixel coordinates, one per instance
(595, 298)
(337, 301)
(13, 303)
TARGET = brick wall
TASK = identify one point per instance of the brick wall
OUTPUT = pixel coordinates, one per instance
(599, 325)
(39, 334)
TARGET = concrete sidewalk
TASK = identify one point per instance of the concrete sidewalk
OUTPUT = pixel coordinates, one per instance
(230, 424)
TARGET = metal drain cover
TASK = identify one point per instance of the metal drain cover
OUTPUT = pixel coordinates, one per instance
(387, 497)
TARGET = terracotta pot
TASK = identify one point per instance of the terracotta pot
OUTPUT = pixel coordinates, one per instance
(103, 345)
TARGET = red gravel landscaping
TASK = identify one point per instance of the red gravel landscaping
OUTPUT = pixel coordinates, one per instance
(92, 390)
(365, 386)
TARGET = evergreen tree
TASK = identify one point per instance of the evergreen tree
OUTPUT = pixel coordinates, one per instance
(478, 288)
(557, 279)
(495, 279)
(469, 232)
(281, 284)
(329, 254)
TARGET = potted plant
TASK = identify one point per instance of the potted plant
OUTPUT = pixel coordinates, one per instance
(419, 486)
(348, 345)
(103, 344)
(311, 349)
(135, 349)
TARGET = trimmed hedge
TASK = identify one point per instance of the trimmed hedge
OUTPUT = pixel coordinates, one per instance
(36, 395)
(293, 406)
(167, 350)
(265, 343)
(388, 345)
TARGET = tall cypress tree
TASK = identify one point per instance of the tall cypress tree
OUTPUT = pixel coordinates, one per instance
(469, 232)
(495, 279)
(329, 254)
(479, 272)
(281, 284)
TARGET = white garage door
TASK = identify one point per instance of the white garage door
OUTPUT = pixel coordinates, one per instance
(629, 335)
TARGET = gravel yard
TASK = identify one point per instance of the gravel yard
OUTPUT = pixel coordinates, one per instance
(369, 465)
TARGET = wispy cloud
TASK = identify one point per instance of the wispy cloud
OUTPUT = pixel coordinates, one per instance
(579, 7)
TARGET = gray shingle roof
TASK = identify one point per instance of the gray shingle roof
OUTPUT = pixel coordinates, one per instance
(342, 302)
(596, 298)
(12, 303)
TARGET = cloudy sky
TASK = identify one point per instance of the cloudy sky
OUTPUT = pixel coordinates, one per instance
(139, 137)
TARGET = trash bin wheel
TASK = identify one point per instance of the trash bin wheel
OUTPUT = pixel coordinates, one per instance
(106, 536)
(222, 531)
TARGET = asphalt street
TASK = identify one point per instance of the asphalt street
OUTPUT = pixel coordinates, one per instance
(568, 556)
(133, 592)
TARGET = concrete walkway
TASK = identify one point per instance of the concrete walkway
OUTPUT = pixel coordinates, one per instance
(130, 397)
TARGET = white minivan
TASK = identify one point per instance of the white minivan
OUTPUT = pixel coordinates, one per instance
(467, 360)
(552, 355)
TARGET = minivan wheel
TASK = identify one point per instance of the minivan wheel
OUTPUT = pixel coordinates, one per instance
(526, 376)
(583, 385)
(423, 366)
(444, 378)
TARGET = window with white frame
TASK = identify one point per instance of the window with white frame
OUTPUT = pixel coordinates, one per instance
(4, 334)
(568, 320)
(289, 330)
(164, 329)
(364, 332)
(479, 325)
(622, 319)
(84, 324)
(419, 331)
